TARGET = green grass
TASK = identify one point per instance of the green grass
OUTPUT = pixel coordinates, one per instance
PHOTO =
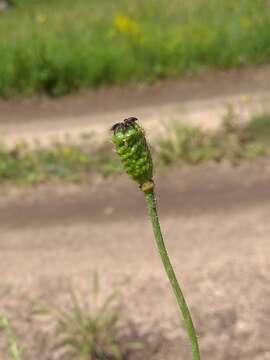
(59, 46)
(58, 161)
(91, 329)
(180, 144)
(232, 142)
(14, 350)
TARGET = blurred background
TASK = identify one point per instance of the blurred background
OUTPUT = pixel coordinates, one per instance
(81, 277)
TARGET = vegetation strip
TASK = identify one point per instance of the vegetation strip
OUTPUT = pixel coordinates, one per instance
(61, 46)
(180, 144)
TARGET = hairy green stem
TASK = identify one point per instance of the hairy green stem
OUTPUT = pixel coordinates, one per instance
(151, 204)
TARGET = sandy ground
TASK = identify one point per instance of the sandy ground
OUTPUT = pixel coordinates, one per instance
(201, 101)
(216, 224)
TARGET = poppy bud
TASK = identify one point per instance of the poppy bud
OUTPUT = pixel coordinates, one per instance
(132, 148)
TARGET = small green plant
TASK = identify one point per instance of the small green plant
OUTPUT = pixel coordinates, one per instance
(15, 351)
(90, 330)
(188, 144)
(258, 128)
(132, 148)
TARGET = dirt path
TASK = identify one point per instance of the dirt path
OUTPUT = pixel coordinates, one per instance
(216, 222)
(200, 100)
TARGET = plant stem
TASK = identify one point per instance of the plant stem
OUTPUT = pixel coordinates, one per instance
(151, 204)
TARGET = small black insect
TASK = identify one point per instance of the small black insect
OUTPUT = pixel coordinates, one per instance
(130, 120)
(124, 125)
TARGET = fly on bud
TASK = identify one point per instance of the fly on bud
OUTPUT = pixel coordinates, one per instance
(132, 148)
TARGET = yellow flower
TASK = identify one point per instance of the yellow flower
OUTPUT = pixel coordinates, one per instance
(126, 25)
(41, 18)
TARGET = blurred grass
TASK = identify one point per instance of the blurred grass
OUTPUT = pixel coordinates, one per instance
(59, 46)
(14, 350)
(180, 144)
(65, 161)
(92, 328)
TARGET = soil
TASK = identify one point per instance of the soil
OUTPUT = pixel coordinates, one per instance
(215, 222)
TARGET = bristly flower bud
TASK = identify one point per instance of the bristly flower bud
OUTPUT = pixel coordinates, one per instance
(132, 148)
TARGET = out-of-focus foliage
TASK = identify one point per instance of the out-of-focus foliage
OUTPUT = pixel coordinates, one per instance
(90, 330)
(232, 141)
(58, 46)
(58, 161)
(180, 144)
(14, 350)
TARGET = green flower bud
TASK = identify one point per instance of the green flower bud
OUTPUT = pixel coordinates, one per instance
(131, 146)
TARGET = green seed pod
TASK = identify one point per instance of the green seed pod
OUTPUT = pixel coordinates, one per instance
(131, 146)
